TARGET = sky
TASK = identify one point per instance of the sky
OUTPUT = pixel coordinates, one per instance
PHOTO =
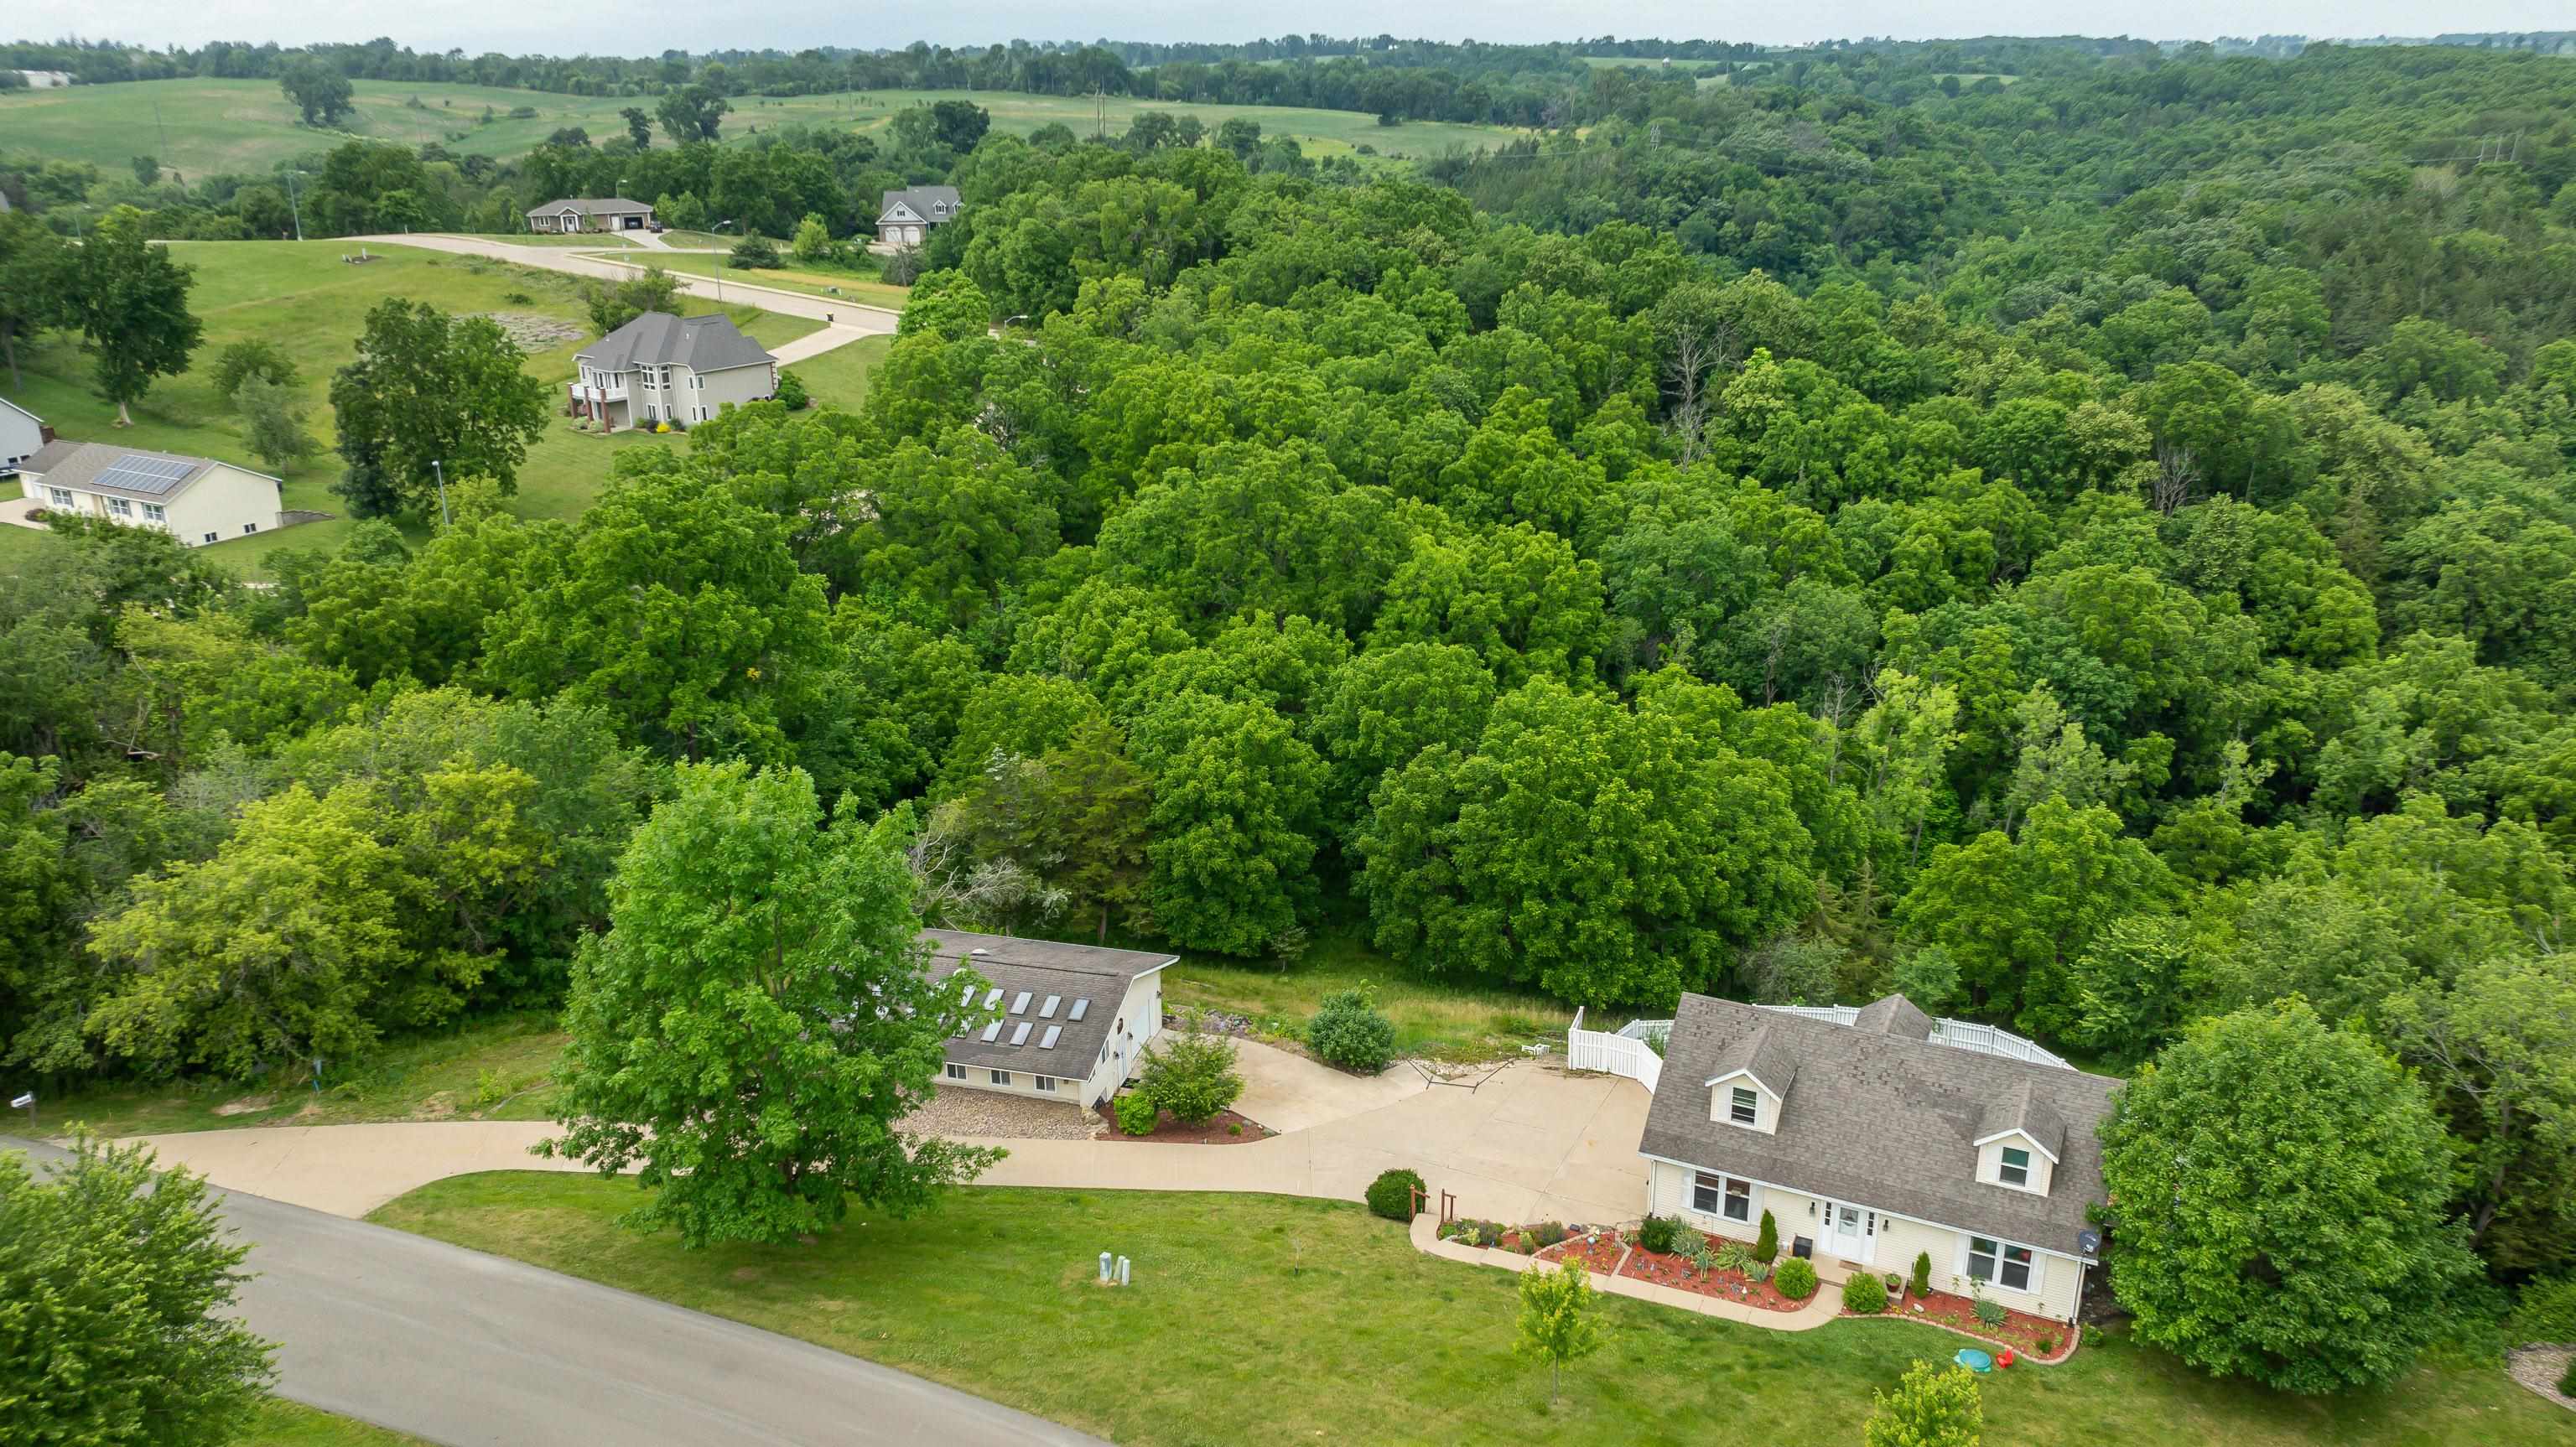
(558, 29)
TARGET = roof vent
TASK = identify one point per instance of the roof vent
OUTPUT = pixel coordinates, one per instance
(979, 951)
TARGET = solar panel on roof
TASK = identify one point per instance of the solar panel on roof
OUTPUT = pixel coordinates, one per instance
(1020, 1005)
(138, 473)
(1047, 1041)
(994, 998)
(1047, 1010)
(1020, 1033)
(992, 1030)
(1078, 1007)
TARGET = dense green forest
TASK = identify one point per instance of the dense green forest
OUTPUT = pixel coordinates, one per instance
(2094, 554)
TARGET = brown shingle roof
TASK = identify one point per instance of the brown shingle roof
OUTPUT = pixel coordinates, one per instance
(1881, 1120)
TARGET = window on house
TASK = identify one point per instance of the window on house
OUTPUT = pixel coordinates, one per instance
(956, 1071)
(2016, 1166)
(1716, 1195)
(1001, 1077)
(1738, 1205)
(120, 507)
(1999, 1263)
(1743, 1106)
(1045, 1083)
(214, 537)
(58, 497)
(155, 512)
(250, 527)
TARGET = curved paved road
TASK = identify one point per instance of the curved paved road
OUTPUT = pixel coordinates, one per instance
(849, 321)
(466, 1349)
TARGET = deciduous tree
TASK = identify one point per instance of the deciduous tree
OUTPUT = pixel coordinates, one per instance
(131, 300)
(428, 388)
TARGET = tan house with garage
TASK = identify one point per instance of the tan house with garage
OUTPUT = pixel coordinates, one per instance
(661, 368)
(590, 213)
(195, 499)
(1876, 1134)
(1067, 1022)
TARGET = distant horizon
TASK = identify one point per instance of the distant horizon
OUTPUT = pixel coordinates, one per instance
(443, 25)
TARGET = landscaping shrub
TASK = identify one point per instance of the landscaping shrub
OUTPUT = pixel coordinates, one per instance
(1656, 1233)
(1391, 1195)
(1349, 1032)
(2047, 1345)
(1796, 1278)
(753, 253)
(791, 392)
(1766, 1246)
(1990, 1312)
(1864, 1294)
(1546, 1234)
(2546, 1312)
(1192, 1076)
(1921, 1282)
(1136, 1114)
(2567, 1379)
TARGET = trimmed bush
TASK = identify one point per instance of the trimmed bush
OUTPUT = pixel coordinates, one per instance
(1864, 1294)
(1349, 1032)
(1391, 1195)
(1655, 1233)
(1136, 1114)
(1192, 1076)
(791, 391)
(1766, 1246)
(1796, 1278)
(1921, 1282)
(2567, 1379)
(2047, 1345)
(1545, 1234)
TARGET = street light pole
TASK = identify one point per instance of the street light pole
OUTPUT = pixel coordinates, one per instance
(440, 473)
(293, 205)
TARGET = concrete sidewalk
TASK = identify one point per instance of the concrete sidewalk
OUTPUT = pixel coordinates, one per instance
(1529, 1143)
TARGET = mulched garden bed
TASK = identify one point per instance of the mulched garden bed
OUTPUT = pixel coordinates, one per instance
(1665, 1269)
(1225, 1128)
(2021, 1331)
(1598, 1252)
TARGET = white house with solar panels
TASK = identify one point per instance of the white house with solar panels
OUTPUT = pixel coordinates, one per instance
(1070, 1022)
(195, 499)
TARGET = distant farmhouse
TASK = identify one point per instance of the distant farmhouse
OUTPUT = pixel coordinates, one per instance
(907, 216)
(662, 368)
(590, 213)
(198, 500)
(47, 79)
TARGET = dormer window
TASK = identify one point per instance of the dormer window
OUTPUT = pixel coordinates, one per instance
(1743, 1105)
(2015, 1169)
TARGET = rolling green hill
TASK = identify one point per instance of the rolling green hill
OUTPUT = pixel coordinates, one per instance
(203, 126)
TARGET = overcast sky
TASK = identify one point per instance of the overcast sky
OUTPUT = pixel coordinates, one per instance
(480, 25)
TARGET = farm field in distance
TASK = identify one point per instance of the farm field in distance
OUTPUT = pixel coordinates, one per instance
(198, 127)
(304, 298)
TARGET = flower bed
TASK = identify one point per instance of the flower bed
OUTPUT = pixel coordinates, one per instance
(2021, 1331)
(1598, 1251)
(1225, 1128)
(1665, 1268)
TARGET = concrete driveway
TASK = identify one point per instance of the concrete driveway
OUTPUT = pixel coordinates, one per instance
(462, 1348)
(1288, 1092)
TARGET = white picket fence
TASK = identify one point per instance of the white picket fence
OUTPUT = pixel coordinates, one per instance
(1987, 1040)
(1619, 1052)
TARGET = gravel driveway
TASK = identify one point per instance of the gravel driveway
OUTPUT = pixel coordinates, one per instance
(993, 1114)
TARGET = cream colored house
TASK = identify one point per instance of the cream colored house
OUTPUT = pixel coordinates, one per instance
(590, 213)
(1871, 1136)
(661, 368)
(1072, 1021)
(195, 499)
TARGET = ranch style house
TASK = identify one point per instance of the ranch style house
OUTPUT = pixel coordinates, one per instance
(1074, 1020)
(590, 213)
(194, 499)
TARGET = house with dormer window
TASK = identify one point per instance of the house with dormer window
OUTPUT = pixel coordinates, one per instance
(1876, 1134)
(907, 215)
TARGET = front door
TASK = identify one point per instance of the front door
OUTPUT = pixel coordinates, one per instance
(1849, 1230)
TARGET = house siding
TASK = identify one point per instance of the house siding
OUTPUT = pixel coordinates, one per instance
(1891, 1247)
(20, 436)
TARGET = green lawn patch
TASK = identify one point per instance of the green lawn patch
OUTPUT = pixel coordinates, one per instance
(282, 1423)
(857, 284)
(1437, 1019)
(488, 1069)
(1272, 1319)
(840, 376)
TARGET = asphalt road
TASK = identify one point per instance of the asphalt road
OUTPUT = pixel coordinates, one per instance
(467, 1350)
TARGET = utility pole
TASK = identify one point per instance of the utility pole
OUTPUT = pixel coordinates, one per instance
(165, 130)
(293, 205)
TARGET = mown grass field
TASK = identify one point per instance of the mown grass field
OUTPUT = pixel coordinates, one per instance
(1434, 1019)
(201, 127)
(1261, 1319)
(305, 299)
(856, 284)
(282, 1423)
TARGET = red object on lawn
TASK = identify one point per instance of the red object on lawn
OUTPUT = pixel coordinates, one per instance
(2004, 1358)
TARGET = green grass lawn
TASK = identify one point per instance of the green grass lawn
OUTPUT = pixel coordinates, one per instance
(1272, 1319)
(840, 376)
(304, 298)
(857, 284)
(282, 1423)
(488, 1069)
(1319, 132)
(1437, 1019)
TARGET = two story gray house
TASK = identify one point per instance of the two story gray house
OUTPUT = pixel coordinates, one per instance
(661, 368)
(907, 216)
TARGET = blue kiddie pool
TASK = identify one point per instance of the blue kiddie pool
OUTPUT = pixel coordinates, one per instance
(1974, 1360)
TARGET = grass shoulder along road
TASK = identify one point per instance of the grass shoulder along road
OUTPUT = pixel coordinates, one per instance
(856, 285)
(282, 1423)
(1276, 1319)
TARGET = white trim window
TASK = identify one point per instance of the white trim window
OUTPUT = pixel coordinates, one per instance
(1743, 1105)
(956, 1071)
(59, 496)
(1044, 1082)
(214, 537)
(2003, 1264)
(1001, 1077)
(119, 507)
(2013, 1168)
(1730, 1197)
(154, 512)
(248, 528)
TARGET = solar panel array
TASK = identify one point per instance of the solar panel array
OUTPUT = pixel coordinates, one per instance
(140, 472)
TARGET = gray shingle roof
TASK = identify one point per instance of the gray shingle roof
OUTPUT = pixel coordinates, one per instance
(1894, 1015)
(129, 472)
(930, 203)
(704, 344)
(1041, 969)
(591, 206)
(2021, 1109)
(1766, 1055)
(1882, 1120)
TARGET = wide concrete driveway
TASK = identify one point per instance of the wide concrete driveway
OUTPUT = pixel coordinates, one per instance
(466, 1349)
(1529, 1142)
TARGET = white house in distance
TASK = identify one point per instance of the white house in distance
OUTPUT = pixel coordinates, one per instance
(1875, 1134)
(22, 434)
(1074, 1020)
(590, 213)
(907, 216)
(662, 368)
(47, 79)
(195, 499)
